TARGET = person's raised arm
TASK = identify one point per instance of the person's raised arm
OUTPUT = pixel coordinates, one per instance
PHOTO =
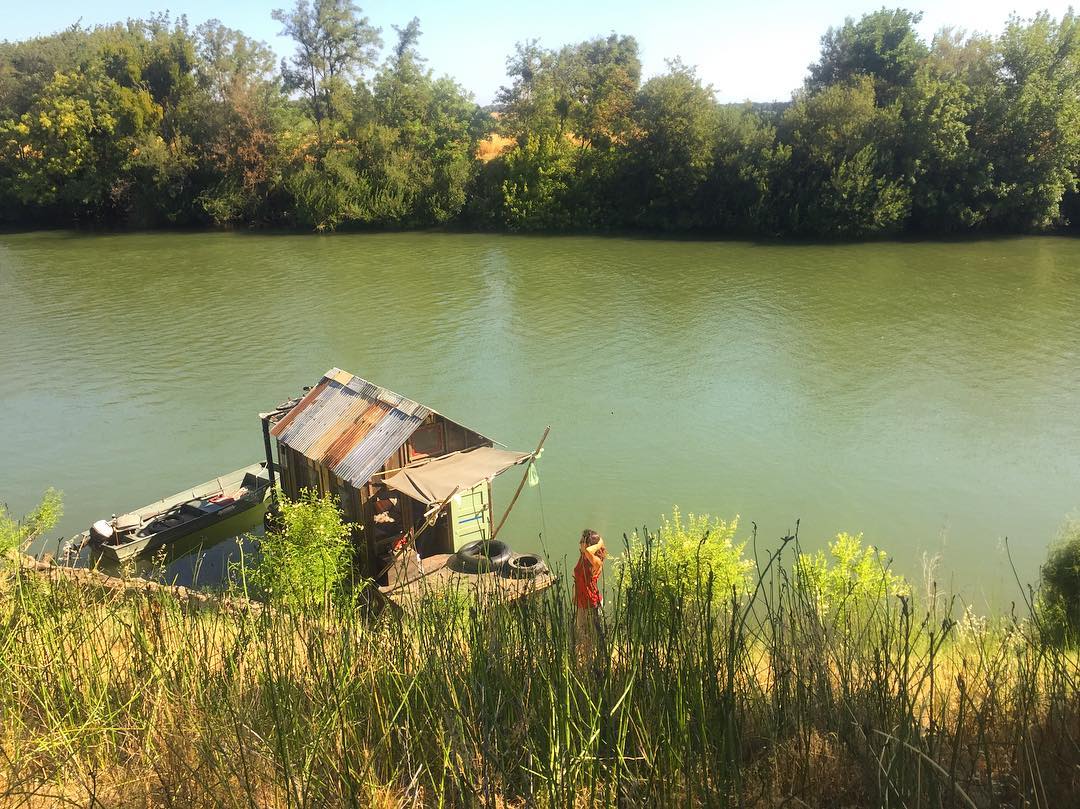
(595, 553)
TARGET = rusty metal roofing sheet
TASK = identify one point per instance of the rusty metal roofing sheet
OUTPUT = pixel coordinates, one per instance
(369, 455)
(350, 425)
(288, 418)
(370, 415)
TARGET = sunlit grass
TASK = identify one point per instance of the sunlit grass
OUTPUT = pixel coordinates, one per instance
(840, 688)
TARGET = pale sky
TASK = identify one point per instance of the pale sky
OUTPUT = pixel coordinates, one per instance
(747, 50)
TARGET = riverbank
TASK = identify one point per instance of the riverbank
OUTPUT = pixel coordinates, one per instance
(702, 235)
(841, 687)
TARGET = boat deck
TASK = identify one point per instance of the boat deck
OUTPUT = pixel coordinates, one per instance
(410, 584)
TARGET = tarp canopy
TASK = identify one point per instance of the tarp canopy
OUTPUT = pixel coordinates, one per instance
(434, 481)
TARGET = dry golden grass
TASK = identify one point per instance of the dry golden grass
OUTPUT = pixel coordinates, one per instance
(493, 146)
(137, 700)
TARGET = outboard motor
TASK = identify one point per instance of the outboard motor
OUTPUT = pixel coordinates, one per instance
(102, 532)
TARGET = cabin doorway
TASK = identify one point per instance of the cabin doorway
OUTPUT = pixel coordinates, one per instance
(394, 516)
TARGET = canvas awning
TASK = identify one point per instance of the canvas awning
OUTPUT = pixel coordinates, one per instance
(434, 481)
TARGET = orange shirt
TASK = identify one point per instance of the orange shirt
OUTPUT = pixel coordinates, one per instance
(586, 593)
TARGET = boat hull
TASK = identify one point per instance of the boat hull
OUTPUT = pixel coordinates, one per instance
(148, 545)
(147, 540)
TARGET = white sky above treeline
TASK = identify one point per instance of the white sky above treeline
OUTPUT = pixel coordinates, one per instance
(756, 51)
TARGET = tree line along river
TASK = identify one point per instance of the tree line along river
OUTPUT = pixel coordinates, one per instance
(922, 393)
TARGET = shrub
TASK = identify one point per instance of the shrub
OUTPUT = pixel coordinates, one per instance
(539, 176)
(17, 534)
(692, 553)
(308, 558)
(1059, 591)
(850, 579)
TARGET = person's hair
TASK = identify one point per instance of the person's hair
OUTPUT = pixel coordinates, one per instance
(589, 536)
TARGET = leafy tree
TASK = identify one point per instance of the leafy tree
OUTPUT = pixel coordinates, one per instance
(402, 89)
(451, 113)
(950, 182)
(69, 151)
(671, 155)
(535, 191)
(334, 42)
(167, 69)
(237, 124)
(606, 74)
(843, 178)
(430, 122)
(407, 158)
(528, 105)
(1031, 130)
(102, 139)
(882, 45)
(156, 184)
(941, 152)
(747, 164)
(229, 62)
(27, 66)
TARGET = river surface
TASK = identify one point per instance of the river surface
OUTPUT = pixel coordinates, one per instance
(926, 394)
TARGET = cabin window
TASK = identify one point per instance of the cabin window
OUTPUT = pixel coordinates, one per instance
(455, 437)
(427, 441)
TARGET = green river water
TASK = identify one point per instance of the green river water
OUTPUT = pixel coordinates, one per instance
(925, 394)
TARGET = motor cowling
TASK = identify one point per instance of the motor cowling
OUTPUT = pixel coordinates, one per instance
(102, 531)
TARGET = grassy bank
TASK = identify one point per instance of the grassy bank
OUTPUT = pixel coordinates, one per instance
(797, 681)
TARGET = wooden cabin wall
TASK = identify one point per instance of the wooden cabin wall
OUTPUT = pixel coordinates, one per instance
(287, 464)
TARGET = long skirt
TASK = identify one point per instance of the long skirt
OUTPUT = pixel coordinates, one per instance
(589, 635)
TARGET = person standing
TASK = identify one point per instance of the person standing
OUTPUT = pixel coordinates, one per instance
(588, 629)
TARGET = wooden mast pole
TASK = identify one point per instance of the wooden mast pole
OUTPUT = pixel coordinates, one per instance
(521, 485)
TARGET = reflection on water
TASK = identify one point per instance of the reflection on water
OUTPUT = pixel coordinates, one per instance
(922, 393)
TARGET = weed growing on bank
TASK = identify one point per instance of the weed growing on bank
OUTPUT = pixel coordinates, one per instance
(306, 555)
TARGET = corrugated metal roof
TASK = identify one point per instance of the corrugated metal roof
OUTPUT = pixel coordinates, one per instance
(349, 425)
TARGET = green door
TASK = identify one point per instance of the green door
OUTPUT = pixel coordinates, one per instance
(470, 515)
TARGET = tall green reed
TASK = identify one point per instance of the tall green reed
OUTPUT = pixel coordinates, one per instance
(760, 690)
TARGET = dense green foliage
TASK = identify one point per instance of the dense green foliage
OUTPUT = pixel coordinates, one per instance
(849, 576)
(1059, 591)
(690, 554)
(306, 559)
(16, 534)
(150, 123)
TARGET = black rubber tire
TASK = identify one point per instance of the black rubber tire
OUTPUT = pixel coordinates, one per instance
(481, 556)
(525, 566)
